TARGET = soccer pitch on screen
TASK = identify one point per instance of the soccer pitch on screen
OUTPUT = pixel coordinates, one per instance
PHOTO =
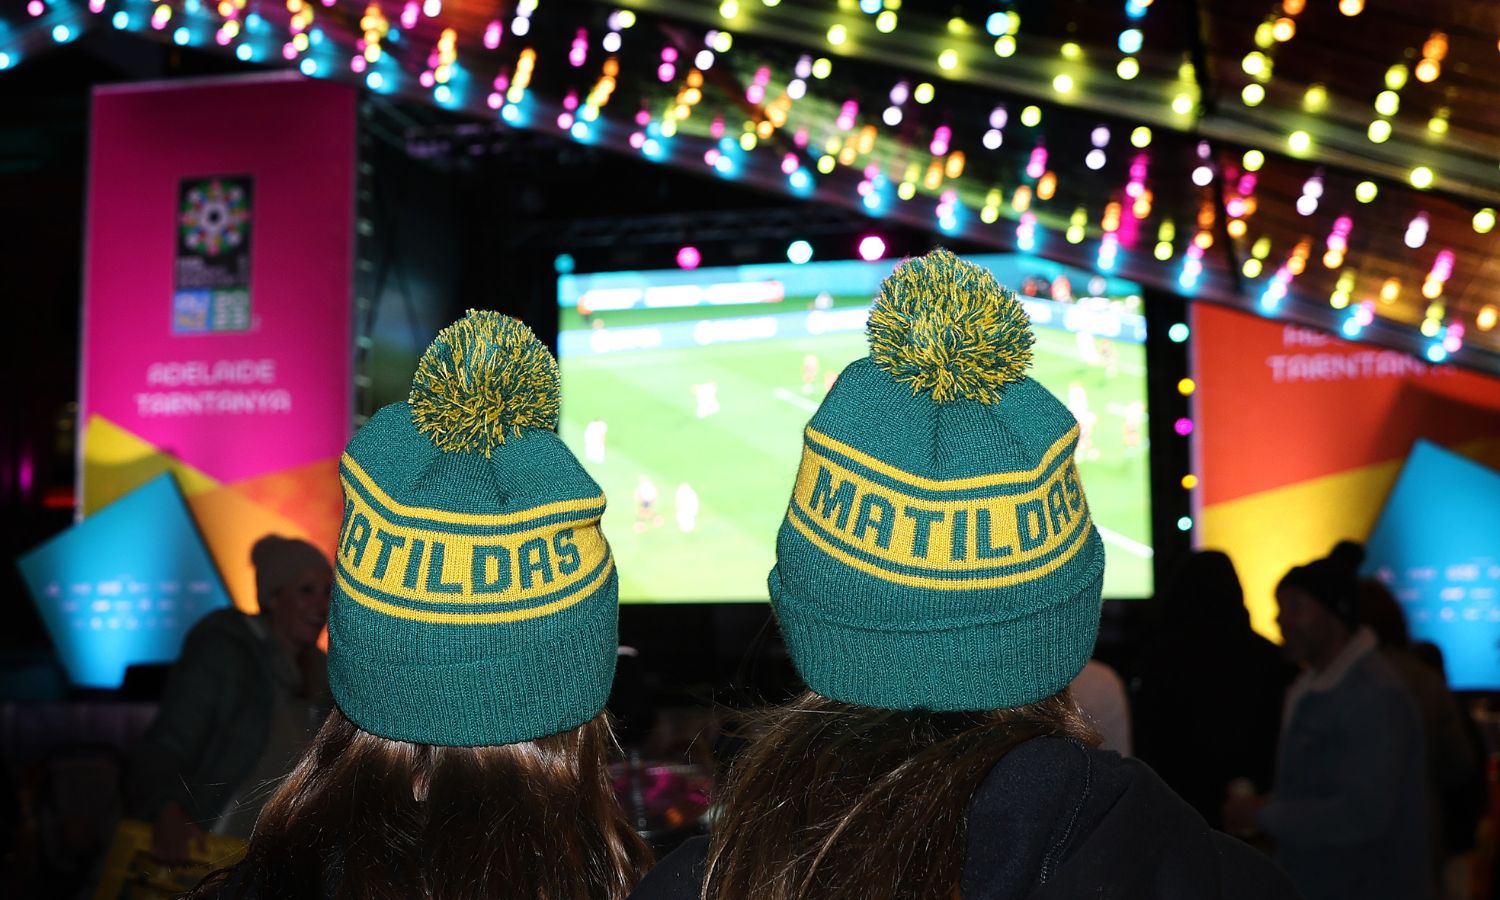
(685, 394)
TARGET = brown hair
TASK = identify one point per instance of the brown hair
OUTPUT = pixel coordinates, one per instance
(838, 802)
(364, 816)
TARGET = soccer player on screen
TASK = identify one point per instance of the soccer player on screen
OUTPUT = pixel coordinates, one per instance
(687, 508)
(708, 398)
(593, 440)
(645, 504)
(1088, 349)
(1133, 427)
(1107, 359)
(1078, 405)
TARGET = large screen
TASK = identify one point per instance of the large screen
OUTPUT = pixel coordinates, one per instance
(685, 394)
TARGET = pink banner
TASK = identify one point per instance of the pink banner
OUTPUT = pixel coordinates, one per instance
(216, 329)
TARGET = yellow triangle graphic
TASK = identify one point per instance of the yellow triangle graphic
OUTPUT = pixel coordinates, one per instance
(1267, 533)
(117, 461)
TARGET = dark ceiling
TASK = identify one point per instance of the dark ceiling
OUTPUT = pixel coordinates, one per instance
(1032, 136)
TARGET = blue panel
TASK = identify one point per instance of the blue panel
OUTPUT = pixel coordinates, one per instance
(1437, 545)
(125, 585)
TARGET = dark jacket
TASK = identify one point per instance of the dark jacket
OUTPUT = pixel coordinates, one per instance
(1055, 819)
(213, 721)
(1206, 695)
(1350, 810)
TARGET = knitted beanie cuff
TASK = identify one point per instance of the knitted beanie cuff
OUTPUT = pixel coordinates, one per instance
(543, 686)
(981, 666)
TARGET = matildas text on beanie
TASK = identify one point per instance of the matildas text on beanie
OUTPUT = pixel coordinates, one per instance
(938, 551)
(475, 598)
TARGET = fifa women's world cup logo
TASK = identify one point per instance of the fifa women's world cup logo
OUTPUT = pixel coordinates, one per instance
(212, 291)
(215, 216)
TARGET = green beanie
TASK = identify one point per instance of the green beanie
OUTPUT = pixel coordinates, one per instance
(475, 598)
(938, 551)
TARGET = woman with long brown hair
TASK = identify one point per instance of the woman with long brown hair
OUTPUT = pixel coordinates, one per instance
(472, 639)
(938, 581)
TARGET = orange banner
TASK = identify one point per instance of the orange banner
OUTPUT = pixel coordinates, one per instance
(1300, 436)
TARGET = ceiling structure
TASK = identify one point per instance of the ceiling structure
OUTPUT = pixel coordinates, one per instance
(1327, 162)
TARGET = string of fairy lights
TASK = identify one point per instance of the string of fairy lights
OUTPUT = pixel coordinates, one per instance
(722, 99)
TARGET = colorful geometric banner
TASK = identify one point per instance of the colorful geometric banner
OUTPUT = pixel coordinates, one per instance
(123, 587)
(217, 325)
(1437, 547)
(1300, 436)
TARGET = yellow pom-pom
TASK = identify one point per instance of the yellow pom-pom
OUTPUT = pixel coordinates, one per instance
(946, 326)
(484, 375)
